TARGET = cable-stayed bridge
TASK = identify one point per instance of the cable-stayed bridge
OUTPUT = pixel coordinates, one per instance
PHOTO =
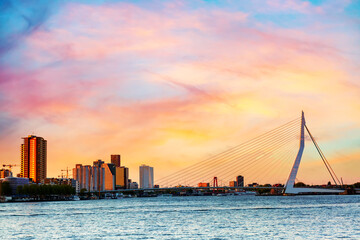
(262, 159)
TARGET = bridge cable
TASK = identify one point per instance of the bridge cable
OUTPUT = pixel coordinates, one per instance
(190, 169)
(270, 151)
(228, 152)
(323, 158)
(210, 169)
(280, 159)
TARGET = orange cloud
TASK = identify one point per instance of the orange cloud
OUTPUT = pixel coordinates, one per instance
(169, 88)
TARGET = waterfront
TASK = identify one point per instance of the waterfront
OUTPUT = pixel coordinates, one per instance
(205, 217)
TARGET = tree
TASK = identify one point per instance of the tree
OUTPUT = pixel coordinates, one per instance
(357, 185)
(42, 190)
(20, 190)
(263, 190)
(73, 191)
(47, 190)
(69, 190)
(26, 189)
(34, 190)
(82, 192)
(5, 188)
(299, 184)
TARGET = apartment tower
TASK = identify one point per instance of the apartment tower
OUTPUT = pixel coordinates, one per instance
(146, 176)
(33, 158)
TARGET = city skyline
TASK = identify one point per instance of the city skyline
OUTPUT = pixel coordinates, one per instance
(165, 85)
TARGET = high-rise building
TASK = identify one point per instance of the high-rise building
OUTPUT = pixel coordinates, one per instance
(116, 160)
(92, 178)
(121, 172)
(98, 176)
(33, 158)
(82, 175)
(110, 176)
(98, 163)
(240, 181)
(122, 177)
(146, 176)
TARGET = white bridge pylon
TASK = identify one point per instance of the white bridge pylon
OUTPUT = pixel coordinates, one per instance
(289, 187)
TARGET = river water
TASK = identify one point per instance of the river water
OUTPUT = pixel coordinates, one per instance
(202, 217)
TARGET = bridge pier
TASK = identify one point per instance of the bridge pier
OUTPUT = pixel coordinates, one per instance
(289, 187)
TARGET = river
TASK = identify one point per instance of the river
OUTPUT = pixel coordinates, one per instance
(201, 217)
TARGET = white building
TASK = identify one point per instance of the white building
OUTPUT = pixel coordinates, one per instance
(146, 176)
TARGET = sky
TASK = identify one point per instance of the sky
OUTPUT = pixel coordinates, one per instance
(169, 83)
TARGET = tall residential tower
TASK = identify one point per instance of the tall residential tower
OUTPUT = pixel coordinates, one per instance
(33, 158)
(146, 176)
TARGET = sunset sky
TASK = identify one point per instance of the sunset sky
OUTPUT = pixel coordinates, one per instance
(169, 83)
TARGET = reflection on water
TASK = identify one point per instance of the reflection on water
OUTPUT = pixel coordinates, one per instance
(231, 217)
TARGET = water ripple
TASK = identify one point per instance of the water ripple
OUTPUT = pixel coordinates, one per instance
(241, 217)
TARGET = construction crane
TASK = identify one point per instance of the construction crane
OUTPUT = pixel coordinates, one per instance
(67, 172)
(10, 166)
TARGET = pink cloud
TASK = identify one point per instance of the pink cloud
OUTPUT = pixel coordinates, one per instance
(216, 58)
(297, 5)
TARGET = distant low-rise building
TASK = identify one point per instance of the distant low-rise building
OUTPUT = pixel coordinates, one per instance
(134, 185)
(253, 185)
(5, 173)
(202, 184)
(233, 184)
(75, 184)
(59, 181)
(15, 182)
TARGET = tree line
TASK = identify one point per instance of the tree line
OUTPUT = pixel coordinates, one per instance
(5, 189)
(34, 190)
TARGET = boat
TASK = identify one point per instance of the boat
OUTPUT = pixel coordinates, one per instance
(165, 195)
(244, 193)
(108, 195)
(75, 198)
(221, 194)
(250, 193)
